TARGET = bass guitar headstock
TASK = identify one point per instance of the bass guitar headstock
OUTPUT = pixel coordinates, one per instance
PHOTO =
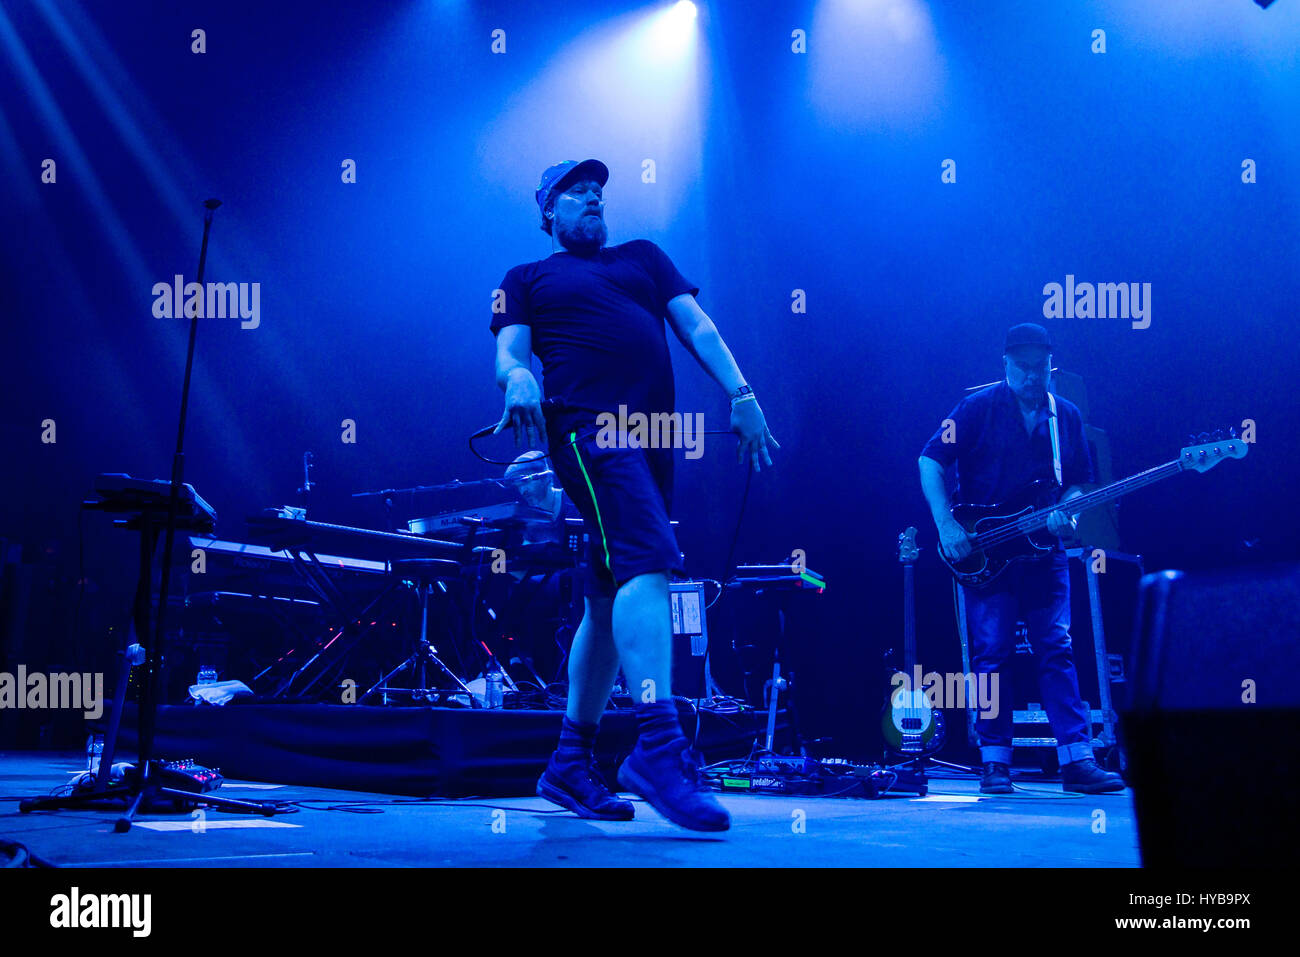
(1209, 450)
(907, 550)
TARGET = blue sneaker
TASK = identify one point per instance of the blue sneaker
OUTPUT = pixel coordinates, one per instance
(668, 777)
(581, 789)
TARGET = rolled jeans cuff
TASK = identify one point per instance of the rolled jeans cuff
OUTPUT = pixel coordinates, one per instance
(1069, 753)
(998, 753)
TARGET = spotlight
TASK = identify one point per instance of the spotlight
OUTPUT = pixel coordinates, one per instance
(673, 30)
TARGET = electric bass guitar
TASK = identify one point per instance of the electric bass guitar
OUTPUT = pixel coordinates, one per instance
(911, 726)
(1016, 530)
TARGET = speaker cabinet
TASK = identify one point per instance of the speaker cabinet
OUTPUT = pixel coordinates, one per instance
(1212, 724)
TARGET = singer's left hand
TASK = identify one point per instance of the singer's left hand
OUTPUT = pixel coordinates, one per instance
(750, 426)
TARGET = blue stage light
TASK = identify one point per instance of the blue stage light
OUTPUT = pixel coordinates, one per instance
(672, 32)
(632, 91)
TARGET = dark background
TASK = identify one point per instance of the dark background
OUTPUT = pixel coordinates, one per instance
(775, 172)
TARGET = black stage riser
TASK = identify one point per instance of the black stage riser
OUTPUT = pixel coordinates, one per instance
(445, 752)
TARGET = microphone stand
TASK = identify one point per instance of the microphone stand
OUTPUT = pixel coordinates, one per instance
(146, 784)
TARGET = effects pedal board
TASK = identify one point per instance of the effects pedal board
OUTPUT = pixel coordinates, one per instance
(184, 775)
(804, 776)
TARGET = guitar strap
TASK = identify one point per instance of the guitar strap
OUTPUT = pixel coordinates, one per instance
(1055, 432)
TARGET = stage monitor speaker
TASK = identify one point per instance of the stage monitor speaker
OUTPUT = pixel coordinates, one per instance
(1214, 717)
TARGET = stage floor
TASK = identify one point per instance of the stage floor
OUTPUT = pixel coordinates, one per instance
(953, 826)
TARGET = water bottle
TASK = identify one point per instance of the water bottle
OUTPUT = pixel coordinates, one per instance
(207, 676)
(94, 749)
(494, 693)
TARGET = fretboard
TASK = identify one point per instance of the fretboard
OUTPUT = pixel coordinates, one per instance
(909, 618)
(1036, 520)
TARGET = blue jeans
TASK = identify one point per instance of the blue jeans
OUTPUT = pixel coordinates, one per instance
(1037, 593)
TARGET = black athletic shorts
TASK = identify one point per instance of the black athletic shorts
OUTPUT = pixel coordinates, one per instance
(623, 495)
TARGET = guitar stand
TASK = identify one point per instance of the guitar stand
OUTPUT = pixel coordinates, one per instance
(911, 776)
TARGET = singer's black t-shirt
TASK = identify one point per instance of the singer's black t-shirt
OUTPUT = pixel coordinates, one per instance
(598, 325)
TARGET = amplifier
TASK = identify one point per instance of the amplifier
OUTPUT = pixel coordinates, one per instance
(1214, 716)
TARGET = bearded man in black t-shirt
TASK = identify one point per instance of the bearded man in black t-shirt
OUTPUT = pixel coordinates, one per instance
(595, 315)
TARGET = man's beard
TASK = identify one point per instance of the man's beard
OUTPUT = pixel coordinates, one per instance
(1031, 395)
(586, 235)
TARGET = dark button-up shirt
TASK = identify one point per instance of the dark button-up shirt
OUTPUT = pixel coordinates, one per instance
(996, 456)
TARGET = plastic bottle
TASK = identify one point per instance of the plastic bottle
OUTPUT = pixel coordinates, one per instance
(94, 749)
(494, 692)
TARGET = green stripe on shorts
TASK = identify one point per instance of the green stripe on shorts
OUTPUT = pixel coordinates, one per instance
(573, 440)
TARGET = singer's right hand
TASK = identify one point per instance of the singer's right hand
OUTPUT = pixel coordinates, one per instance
(523, 411)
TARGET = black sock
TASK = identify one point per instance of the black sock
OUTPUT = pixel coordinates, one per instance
(657, 724)
(577, 741)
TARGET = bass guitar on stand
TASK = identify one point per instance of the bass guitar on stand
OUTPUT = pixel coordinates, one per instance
(912, 728)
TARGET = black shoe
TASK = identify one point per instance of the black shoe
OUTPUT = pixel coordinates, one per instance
(996, 779)
(669, 779)
(581, 788)
(1084, 777)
